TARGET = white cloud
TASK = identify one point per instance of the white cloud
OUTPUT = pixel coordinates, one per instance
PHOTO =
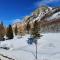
(44, 2)
(16, 20)
(53, 0)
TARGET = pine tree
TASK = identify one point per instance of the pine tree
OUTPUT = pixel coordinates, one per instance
(1, 23)
(35, 30)
(2, 31)
(35, 34)
(21, 31)
(16, 30)
(9, 33)
(28, 27)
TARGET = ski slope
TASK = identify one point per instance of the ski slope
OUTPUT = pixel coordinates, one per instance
(48, 47)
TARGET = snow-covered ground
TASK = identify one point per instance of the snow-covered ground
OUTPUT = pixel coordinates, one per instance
(48, 48)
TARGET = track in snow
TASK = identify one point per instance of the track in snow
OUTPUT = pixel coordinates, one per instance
(3, 57)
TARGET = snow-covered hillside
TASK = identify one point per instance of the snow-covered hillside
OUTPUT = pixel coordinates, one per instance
(44, 13)
(54, 16)
(48, 48)
(46, 16)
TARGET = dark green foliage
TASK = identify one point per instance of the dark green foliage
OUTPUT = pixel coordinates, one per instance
(16, 30)
(9, 33)
(35, 30)
(28, 27)
(35, 34)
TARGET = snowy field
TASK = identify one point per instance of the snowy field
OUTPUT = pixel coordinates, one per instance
(48, 48)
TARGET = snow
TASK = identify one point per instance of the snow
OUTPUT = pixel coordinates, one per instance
(48, 47)
(42, 14)
(54, 16)
(16, 42)
(50, 8)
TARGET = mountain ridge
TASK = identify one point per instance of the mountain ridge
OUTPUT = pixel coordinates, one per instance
(46, 16)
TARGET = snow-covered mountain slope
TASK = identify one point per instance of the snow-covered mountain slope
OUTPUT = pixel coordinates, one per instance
(42, 13)
(45, 13)
(54, 16)
(48, 48)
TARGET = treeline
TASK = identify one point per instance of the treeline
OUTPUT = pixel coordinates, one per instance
(51, 28)
(5, 32)
(9, 32)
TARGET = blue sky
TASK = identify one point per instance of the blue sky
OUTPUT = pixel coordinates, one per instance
(11, 10)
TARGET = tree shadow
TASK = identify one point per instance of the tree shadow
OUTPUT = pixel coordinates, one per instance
(32, 40)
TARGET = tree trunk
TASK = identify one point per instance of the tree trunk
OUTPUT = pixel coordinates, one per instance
(36, 50)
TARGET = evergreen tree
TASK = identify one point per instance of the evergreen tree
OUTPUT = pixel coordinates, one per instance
(35, 34)
(2, 31)
(9, 33)
(28, 27)
(21, 31)
(1, 23)
(16, 30)
(35, 30)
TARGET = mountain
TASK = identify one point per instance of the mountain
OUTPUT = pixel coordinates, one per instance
(47, 13)
(47, 17)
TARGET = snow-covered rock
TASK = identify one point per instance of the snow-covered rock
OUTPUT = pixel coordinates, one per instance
(54, 16)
